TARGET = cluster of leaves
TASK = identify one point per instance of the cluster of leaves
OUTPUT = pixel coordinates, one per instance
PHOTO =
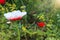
(37, 11)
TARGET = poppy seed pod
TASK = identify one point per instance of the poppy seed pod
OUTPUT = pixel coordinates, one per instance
(15, 15)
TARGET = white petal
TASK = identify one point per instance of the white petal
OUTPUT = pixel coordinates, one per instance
(23, 14)
(15, 14)
(7, 15)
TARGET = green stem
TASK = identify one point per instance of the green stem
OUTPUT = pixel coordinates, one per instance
(18, 31)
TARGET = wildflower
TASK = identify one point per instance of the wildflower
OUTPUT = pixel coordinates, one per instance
(8, 22)
(15, 15)
(2, 2)
(41, 24)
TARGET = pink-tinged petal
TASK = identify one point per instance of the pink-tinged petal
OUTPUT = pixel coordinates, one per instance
(14, 19)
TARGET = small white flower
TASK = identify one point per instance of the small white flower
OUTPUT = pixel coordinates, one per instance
(14, 14)
(8, 22)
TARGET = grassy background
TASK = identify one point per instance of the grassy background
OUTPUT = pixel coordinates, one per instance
(26, 29)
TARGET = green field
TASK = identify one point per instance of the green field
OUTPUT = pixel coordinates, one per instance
(46, 11)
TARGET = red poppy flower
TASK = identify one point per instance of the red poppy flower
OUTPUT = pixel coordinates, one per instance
(2, 2)
(41, 24)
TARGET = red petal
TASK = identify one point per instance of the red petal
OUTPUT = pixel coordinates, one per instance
(14, 19)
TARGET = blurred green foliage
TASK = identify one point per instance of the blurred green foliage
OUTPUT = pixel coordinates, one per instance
(37, 11)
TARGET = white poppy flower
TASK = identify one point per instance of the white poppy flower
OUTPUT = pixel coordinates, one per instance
(15, 15)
